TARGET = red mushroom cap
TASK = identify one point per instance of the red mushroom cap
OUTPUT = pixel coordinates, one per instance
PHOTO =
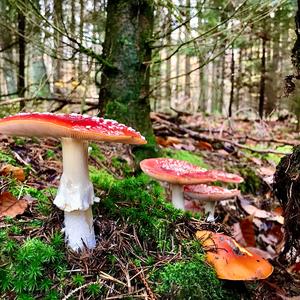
(219, 175)
(209, 193)
(174, 171)
(181, 172)
(232, 261)
(75, 126)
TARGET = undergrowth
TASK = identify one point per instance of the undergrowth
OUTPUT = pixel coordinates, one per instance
(38, 267)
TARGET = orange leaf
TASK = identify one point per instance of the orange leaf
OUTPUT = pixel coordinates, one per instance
(10, 206)
(247, 229)
(204, 146)
(16, 172)
(168, 141)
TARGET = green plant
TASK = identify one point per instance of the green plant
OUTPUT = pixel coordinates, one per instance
(94, 289)
(141, 201)
(95, 151)
(28, 269)
(121, 164)
(78, 280)
(190, 279)
(101, 178)
(4, 157)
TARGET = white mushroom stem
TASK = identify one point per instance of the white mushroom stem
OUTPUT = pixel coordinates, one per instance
(209, 207)
(79, 229)
(75, 195)
(177, 196)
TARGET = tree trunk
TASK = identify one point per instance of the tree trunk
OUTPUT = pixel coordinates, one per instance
(262, 79)
(22, 49)
(287, 190)
(38, 77)
(58, 74)
(168, 67)
(187, 84)
(232, 67)
(125, 82)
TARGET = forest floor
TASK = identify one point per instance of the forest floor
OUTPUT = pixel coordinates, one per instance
(125, 264)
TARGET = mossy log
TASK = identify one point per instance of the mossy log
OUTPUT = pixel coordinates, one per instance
(287, 190)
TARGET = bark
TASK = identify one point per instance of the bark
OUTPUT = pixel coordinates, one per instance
(168, 67)
(38, 77)
(262, 78)
(22, 49)
(232, 78)
(296, 48)
(124, 87)
(287, 190)
(58, 73)
(187, 85)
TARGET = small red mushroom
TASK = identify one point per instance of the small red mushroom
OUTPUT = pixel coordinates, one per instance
(230, 260)
(75, 193)
(179, 173)
(209, 195)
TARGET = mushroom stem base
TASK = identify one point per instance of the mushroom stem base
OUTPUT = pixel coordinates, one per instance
(79, 229)
(177, 196)
(209, 207)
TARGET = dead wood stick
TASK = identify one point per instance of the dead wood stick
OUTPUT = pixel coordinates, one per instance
(202, 137)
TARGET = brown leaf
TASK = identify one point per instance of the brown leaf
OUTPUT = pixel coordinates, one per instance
(16, 172)
(10, 206)
(204, 146)
(247, 228)
(260, 213)
(168, 141)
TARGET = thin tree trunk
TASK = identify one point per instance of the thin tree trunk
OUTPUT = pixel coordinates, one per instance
(187, 85)
(168, 66)
(58, 73)
(22, 49)
(232, 78)
(262, 79)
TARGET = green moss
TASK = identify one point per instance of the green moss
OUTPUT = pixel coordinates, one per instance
(101, 178)
(6, 158)
(25, 273)
(121, 164)
(252, 182)
(95, 151)
(187, 156)
(187, 280)
(141, 201)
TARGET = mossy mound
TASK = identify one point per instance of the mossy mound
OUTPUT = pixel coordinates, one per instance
(138, 233)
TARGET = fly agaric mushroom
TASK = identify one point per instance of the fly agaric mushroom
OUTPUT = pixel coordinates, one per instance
(209, 195)
(75, 193)
(179, 173)
(230, 260)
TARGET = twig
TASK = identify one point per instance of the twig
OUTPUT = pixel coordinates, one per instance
(70, 294)
(202, 137)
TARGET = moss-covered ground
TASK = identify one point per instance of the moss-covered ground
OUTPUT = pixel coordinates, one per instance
(145, 248)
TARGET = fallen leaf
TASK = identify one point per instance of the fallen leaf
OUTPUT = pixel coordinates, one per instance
(204, 146)
(247, 228)
(168, 141)
(16, 172)
(10, 206)
(260, 213)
